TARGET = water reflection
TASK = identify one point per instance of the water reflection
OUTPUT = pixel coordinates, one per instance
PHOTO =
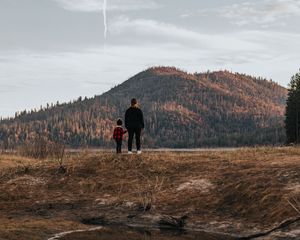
(141, 234)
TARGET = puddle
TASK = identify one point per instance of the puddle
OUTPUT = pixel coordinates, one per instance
(137, 234)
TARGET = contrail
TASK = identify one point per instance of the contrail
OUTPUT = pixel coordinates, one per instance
(104, 17)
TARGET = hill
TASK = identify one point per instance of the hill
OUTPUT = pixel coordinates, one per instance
(181, 110)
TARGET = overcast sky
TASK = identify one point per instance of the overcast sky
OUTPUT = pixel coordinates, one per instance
(56, 50)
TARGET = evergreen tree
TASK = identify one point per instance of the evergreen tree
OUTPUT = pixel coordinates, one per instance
(292, 121)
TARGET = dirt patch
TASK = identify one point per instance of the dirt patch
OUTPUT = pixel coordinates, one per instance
(105, 200)
(294, 188)
(203, 185)
(27, 180)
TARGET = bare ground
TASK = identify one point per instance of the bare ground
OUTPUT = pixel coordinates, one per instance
(239, 192)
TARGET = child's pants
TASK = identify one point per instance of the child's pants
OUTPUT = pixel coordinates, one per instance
(119, 146)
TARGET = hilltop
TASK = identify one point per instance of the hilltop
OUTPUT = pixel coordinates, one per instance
(181, 110)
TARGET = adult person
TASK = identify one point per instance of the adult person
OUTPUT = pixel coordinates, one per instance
(134, 123)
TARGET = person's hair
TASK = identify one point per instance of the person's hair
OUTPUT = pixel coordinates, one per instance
(133, 102)
(119, 122)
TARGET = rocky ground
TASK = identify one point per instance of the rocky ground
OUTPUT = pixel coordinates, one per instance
(241, 193)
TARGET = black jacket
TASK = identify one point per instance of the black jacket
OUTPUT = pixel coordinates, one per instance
(134, 118)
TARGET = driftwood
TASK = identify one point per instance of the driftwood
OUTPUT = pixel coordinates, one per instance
(172, 222)
(265, 233)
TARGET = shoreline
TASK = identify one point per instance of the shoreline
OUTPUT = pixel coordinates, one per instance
(163, 150)
(188, 230)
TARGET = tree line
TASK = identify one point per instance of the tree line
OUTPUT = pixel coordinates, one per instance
(181, 110)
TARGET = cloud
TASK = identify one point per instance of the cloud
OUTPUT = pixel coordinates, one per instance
(170, 33)
(112, 5)
(264, 12)
(94, 70)
(5, 88)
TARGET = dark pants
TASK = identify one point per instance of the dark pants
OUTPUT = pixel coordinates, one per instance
(119, 146)
(137, 133)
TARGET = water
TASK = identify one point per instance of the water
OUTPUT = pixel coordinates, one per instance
(139, 234)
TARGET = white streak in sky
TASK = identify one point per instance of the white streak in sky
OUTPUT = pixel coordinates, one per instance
(104, 17)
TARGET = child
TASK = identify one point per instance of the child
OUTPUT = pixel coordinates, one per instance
(118, 135)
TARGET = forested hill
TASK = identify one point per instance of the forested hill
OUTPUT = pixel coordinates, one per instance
(181, 110)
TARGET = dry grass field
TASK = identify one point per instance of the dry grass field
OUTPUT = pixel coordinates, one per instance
(238, 192)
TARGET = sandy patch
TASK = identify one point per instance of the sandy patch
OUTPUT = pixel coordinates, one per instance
(294, 188)
(26, 180)
(105, 200)
(202, 185)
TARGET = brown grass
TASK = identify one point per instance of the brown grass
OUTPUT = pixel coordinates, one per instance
(245, 188)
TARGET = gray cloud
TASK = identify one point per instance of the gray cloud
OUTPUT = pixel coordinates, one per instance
(265, 12)
(113, 5)
(4, 88)
(55, 49)
(169, 33)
